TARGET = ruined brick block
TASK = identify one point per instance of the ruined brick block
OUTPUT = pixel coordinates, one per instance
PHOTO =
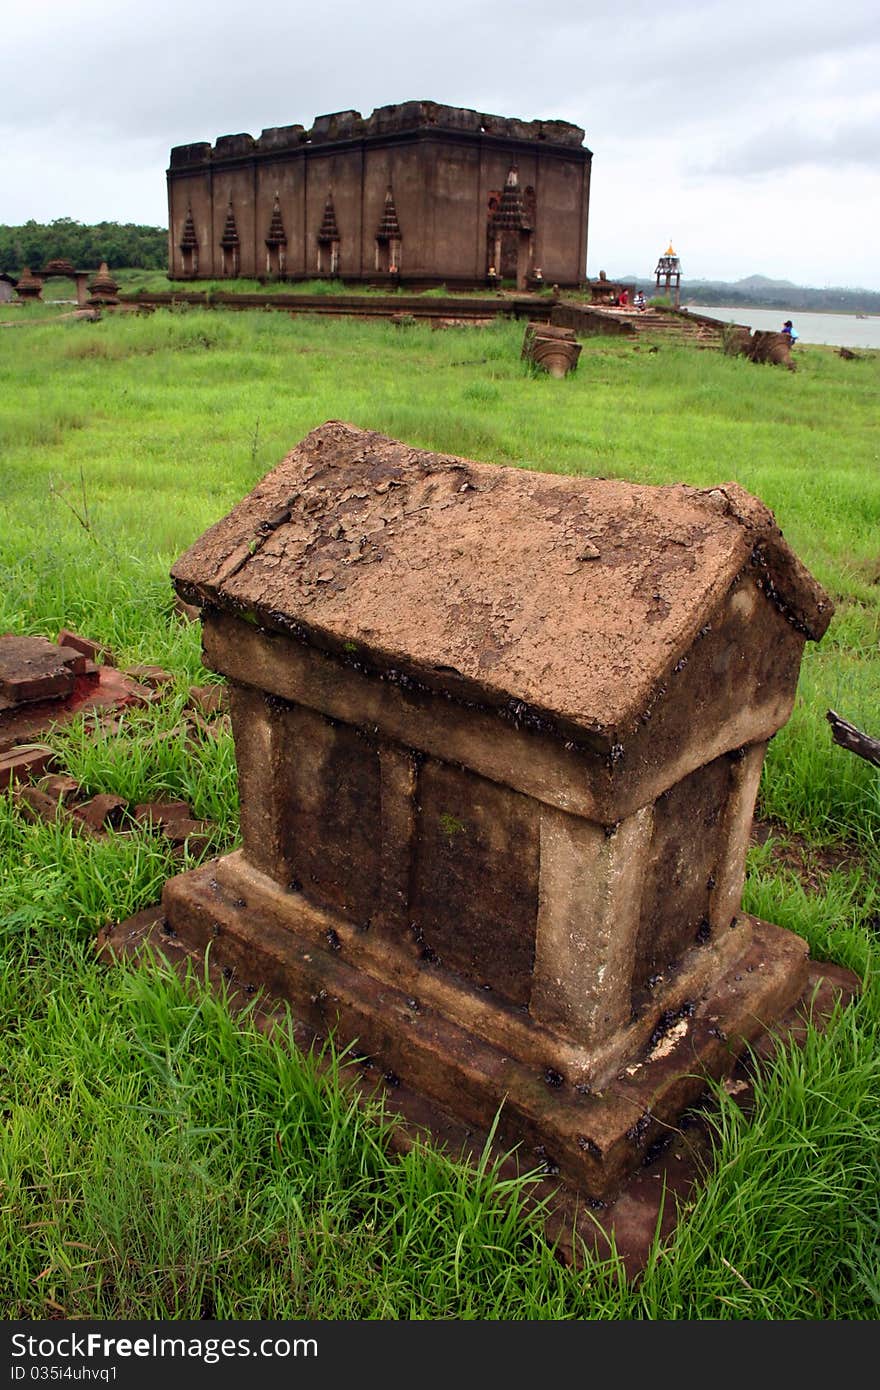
(61, 787)
(153, 677)
(499, 736)
(33, 668)
(162, 813)
(36, 805)
(209, 700)
(554, 349)
(95, 651)
(101, 812)
(24, 763)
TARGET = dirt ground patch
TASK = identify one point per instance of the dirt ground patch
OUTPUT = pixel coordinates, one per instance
(813, 864)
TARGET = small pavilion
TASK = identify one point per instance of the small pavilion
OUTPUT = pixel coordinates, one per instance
(668, 269)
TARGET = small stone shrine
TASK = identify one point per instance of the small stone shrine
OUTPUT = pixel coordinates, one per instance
(29, 287)
(103, 289)
(499, 735)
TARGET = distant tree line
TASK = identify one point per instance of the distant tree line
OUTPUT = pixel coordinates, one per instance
(117, 243)
(831, 299)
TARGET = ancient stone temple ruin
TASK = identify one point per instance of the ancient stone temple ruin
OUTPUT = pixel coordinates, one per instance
(499, 735)
(427, 192)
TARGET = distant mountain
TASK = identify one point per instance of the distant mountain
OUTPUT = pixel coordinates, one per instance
(761, 284)
(759, 291)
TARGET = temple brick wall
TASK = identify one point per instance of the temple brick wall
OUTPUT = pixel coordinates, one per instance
(434, 177)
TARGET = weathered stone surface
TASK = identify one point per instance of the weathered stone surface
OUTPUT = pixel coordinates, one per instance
(354, 534)
(759, 346)
(595, 1137)
(29, 286)
(103, 289)
(555, 356)
(33, 668)
(651, 1200)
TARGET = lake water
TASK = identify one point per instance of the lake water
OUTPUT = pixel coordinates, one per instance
(837, 330)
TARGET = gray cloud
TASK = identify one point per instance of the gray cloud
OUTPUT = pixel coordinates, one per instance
(852, 145)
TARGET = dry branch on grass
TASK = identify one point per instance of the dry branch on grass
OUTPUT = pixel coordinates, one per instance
(851, 738)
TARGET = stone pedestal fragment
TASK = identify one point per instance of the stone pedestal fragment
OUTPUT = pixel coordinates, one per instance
(554, 350)
(499, 736)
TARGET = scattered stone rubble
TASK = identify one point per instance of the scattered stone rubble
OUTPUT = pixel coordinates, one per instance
(45, 684)
(760, 346)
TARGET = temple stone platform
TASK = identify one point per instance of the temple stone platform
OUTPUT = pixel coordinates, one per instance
(499, 735)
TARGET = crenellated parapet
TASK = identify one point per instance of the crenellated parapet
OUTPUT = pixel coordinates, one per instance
(384, 120)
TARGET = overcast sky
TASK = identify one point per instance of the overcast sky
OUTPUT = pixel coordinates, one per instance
(747, 133)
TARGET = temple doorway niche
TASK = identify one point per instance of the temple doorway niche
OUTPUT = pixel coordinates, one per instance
(510, 232)
(189, 246)
(388, 238)
(230, 246)
(328, 239)
(276, 242)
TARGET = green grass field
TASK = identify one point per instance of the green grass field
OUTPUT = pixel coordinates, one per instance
(160, 1160)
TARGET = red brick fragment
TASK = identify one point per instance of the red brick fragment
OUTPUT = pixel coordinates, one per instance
(152, 676)
(101, 812)
(61, 786)
(36, 805)
(196, 842)
(208, 699)
(174, 820)
(162, 813)
(33, 668)
(74, 660)
(135, 695)
(24, 763)
(95, 651)
(207, 728)
(189, 612)
(179, 831)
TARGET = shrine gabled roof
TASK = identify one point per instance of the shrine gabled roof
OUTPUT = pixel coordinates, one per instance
(573, 597)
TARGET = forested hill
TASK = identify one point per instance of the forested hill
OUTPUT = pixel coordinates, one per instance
(117, 243)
